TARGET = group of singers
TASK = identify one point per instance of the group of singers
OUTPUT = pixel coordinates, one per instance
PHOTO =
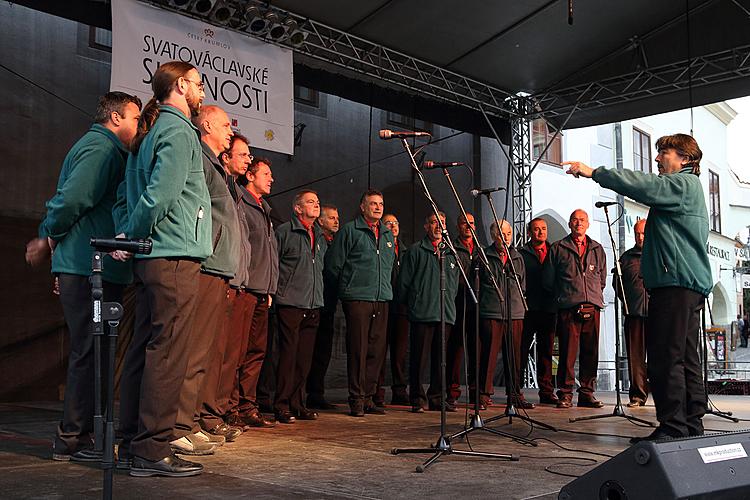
(175, 173)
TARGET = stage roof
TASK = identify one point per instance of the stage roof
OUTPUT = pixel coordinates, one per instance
(617, 60)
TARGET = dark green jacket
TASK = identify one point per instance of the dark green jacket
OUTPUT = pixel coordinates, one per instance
(419, 284)
(490, 306)
(300, 266)
(674, 251)
(572, 281)
(225, 227)
(166, 193)
(82, 205)
(360, 265)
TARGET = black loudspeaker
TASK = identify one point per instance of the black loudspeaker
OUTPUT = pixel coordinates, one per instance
(715, 466)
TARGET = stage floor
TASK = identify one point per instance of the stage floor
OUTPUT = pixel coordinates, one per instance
(344, 457)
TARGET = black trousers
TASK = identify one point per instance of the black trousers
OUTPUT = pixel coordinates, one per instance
(398, 345)
(366, 324)
(203, 362)
(75, 429)
(321, 353)
(542, 324)
(156, 361)
(578, 338)
(674, 368)
(296, 339)
(267, 379)
(635, 346)
(424, 347)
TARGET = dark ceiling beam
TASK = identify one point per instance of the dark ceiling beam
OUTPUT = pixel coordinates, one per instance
(91, 12)
(494, 37)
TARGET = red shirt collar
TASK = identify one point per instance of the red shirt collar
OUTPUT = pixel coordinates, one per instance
(541, 252)
(306, 225)
(469, 244)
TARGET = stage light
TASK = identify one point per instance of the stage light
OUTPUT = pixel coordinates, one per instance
(222, 13)
(180, 4)
(297, 38)
(256, 23)
(203, 6)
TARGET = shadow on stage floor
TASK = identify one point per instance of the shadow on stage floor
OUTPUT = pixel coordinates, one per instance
(339, 456)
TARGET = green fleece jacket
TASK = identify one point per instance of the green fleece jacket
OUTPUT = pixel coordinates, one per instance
(674, 251)
(361, 265)
(166, 193)
(419, 283)
(82, 205)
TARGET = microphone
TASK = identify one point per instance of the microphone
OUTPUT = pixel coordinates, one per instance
(600, 204)
(132, 246)
(442, 164)
(404, 134)
(479, 192)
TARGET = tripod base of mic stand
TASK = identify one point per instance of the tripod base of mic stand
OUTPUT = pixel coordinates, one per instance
(619, 411)
(477, 424)
(511, 413)
(712, 410)
(443, 447)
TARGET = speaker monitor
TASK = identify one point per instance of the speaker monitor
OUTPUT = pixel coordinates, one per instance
(714, 466)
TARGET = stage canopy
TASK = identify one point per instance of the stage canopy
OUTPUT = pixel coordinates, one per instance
(455, 62)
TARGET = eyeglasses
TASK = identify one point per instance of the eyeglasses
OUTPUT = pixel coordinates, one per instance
(200, 84)
(391, 223)
(246, 155)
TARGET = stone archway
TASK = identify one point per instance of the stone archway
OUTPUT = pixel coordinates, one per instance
(557, 226)
(720, 305)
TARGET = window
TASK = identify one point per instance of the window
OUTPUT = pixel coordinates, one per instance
(540, 137)
(641, 151)
(306, 96)
(408, 122)
(100, 39)
(714, 201)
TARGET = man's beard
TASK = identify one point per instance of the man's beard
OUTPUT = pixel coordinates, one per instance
(194, 103)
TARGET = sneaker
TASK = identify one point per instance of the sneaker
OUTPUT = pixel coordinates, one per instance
(211, 438)
(192, 445)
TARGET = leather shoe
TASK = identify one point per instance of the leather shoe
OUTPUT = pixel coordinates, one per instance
(417, 409)
(379, 404)
(320, 404)
(482, 406)
(590, 402)
(214, 439)
(356, 410)
(374, 410)
(658, 434)
(229, 432)
(285, 417)
(84, 455)
(634, 403)
(171, 466)
(524, 404)
(565, 402)
(255, 419)
(548, 399)
(306, 414)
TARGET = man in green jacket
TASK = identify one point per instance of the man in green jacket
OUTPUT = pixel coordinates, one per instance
(203, 371)
(299, 298)
(168, 202)
(360, 263)
(81, 209)
(419, 288)
(677, 274)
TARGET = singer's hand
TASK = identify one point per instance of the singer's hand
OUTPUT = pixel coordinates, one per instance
(578, 169)
(120, 255)
(37, 251)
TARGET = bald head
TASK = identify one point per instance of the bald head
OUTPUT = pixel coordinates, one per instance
(639, 232)
(216, 131)
(578, 223)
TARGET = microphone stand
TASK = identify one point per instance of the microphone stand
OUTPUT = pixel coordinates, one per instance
(443, 445)
(111, 312)
(510, 409)
(476, 422)
(619, 410)
(710, 408)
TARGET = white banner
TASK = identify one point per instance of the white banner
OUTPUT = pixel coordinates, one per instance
(250, 79)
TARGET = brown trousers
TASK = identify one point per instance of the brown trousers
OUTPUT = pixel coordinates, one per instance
(635, 346)
(578, 337)
(492, 335)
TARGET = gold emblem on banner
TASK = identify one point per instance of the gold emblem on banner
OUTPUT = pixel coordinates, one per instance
(269, 135)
